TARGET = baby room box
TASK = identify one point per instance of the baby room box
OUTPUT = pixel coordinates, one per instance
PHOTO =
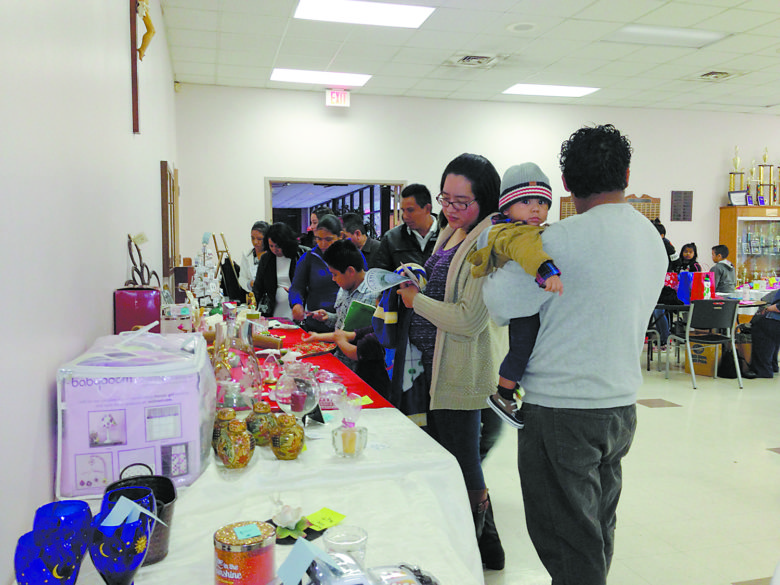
(134, 398)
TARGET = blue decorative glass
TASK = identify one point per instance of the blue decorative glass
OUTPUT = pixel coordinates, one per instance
(53, 551)
(118, 551)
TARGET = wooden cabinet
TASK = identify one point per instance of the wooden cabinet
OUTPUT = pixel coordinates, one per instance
(752, 234)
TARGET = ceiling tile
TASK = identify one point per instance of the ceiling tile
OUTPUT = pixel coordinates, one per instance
(736, 20)
(251, 24)
(192, 38)
(679, 14)
(191, 19)
(583, 30)
(194, 55)
(618, 10)
(238, 42)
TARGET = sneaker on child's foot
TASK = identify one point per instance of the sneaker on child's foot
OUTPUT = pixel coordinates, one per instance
(507, 410)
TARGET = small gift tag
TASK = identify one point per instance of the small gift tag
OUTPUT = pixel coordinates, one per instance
(324, 518)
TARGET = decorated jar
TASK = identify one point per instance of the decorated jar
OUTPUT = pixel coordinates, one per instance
(262, 423)
(244, 554)
(223, 418)
(236, 447)
(287, 441)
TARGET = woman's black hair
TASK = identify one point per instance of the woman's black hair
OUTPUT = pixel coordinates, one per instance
(260, 226)
(484, 179)
(331, 223)
(284, 237)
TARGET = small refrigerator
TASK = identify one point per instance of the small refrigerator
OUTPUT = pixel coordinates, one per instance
(129, 399)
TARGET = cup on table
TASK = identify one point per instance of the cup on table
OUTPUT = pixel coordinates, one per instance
(346, 539)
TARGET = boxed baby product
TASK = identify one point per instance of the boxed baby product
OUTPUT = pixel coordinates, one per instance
(134, 398)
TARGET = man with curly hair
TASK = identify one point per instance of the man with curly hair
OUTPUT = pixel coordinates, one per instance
(582, 378)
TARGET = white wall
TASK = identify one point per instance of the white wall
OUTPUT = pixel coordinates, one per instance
(231, 140)
(74, 182)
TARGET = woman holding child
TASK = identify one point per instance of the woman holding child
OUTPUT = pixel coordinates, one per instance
(461, 346)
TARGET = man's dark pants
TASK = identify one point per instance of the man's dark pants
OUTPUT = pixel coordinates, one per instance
(570, 472)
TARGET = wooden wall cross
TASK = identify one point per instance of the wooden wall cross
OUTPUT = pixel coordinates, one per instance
(134, 62)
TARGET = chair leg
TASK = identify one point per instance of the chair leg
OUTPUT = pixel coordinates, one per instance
(736, 363)
(690, 362)
(717, 361)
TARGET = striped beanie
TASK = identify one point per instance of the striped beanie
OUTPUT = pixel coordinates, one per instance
(525, 180)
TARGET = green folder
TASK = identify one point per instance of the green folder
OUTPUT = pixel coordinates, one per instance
(358, 316)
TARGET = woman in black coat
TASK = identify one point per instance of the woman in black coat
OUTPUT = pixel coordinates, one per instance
(275, 271)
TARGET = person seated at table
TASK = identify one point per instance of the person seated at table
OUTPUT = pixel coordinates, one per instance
(251, 258)
(346, 265)
(765, 330)
(670, 251)
(687, 262)
(276, 270)
(355, 230)
(725, 275)
(312, 286)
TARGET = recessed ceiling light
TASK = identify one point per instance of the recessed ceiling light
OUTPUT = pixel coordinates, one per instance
(521, 27)
(359, 12)
(328, 78)
(641, 34)
(550, 90)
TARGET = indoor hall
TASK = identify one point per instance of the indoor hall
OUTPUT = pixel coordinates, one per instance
(76, 180)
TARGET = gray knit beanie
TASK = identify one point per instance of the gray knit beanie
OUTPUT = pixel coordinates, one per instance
(524, 180)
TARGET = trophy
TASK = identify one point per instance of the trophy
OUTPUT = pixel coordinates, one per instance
(765, 187)
(733, 175)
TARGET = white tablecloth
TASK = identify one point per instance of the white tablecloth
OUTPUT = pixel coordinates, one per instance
(405, 490)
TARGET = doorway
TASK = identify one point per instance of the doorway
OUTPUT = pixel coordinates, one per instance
(293, 201)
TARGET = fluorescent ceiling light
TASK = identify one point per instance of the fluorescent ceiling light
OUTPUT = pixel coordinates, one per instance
(328, 78)
(641, 34)
(550, 90)
(359, 12)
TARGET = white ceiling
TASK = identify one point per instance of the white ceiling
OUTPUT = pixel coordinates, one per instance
(296, 195)
(239, 42)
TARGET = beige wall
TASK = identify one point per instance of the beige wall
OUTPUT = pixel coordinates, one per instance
(231, 140)
(74, 182)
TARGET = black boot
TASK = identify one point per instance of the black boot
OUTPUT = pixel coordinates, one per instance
(479, 505)
(490, 548)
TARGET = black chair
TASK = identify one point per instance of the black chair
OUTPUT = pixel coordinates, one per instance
(653, 339)
(710, 322)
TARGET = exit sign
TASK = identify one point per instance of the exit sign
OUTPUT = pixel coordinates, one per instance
(337, 97)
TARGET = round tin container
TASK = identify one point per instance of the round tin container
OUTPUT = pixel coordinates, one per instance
(244, 554)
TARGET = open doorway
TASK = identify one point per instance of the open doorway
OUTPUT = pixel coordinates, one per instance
(293, 200)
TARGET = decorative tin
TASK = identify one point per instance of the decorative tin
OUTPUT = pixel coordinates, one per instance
(244, 554)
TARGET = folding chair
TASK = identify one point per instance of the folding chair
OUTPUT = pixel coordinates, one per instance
(708, 314)
(653, 338)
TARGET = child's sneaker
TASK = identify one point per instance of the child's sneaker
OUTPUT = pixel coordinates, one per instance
(507, 410)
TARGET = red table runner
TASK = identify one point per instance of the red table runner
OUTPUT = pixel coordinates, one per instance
(329, 362)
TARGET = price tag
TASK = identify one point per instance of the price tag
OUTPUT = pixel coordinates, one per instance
(247, 531)
(324, 518)
(365, 400)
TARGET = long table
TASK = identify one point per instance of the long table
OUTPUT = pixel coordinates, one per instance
(405, 490)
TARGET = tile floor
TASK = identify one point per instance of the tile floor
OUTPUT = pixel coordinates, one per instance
(701, 490)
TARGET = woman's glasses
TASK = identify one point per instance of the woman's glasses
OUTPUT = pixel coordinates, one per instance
(456, 205)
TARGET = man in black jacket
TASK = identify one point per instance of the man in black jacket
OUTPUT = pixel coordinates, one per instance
(413, 240)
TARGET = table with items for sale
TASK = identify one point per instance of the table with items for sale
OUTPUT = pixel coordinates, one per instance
(404, 490)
